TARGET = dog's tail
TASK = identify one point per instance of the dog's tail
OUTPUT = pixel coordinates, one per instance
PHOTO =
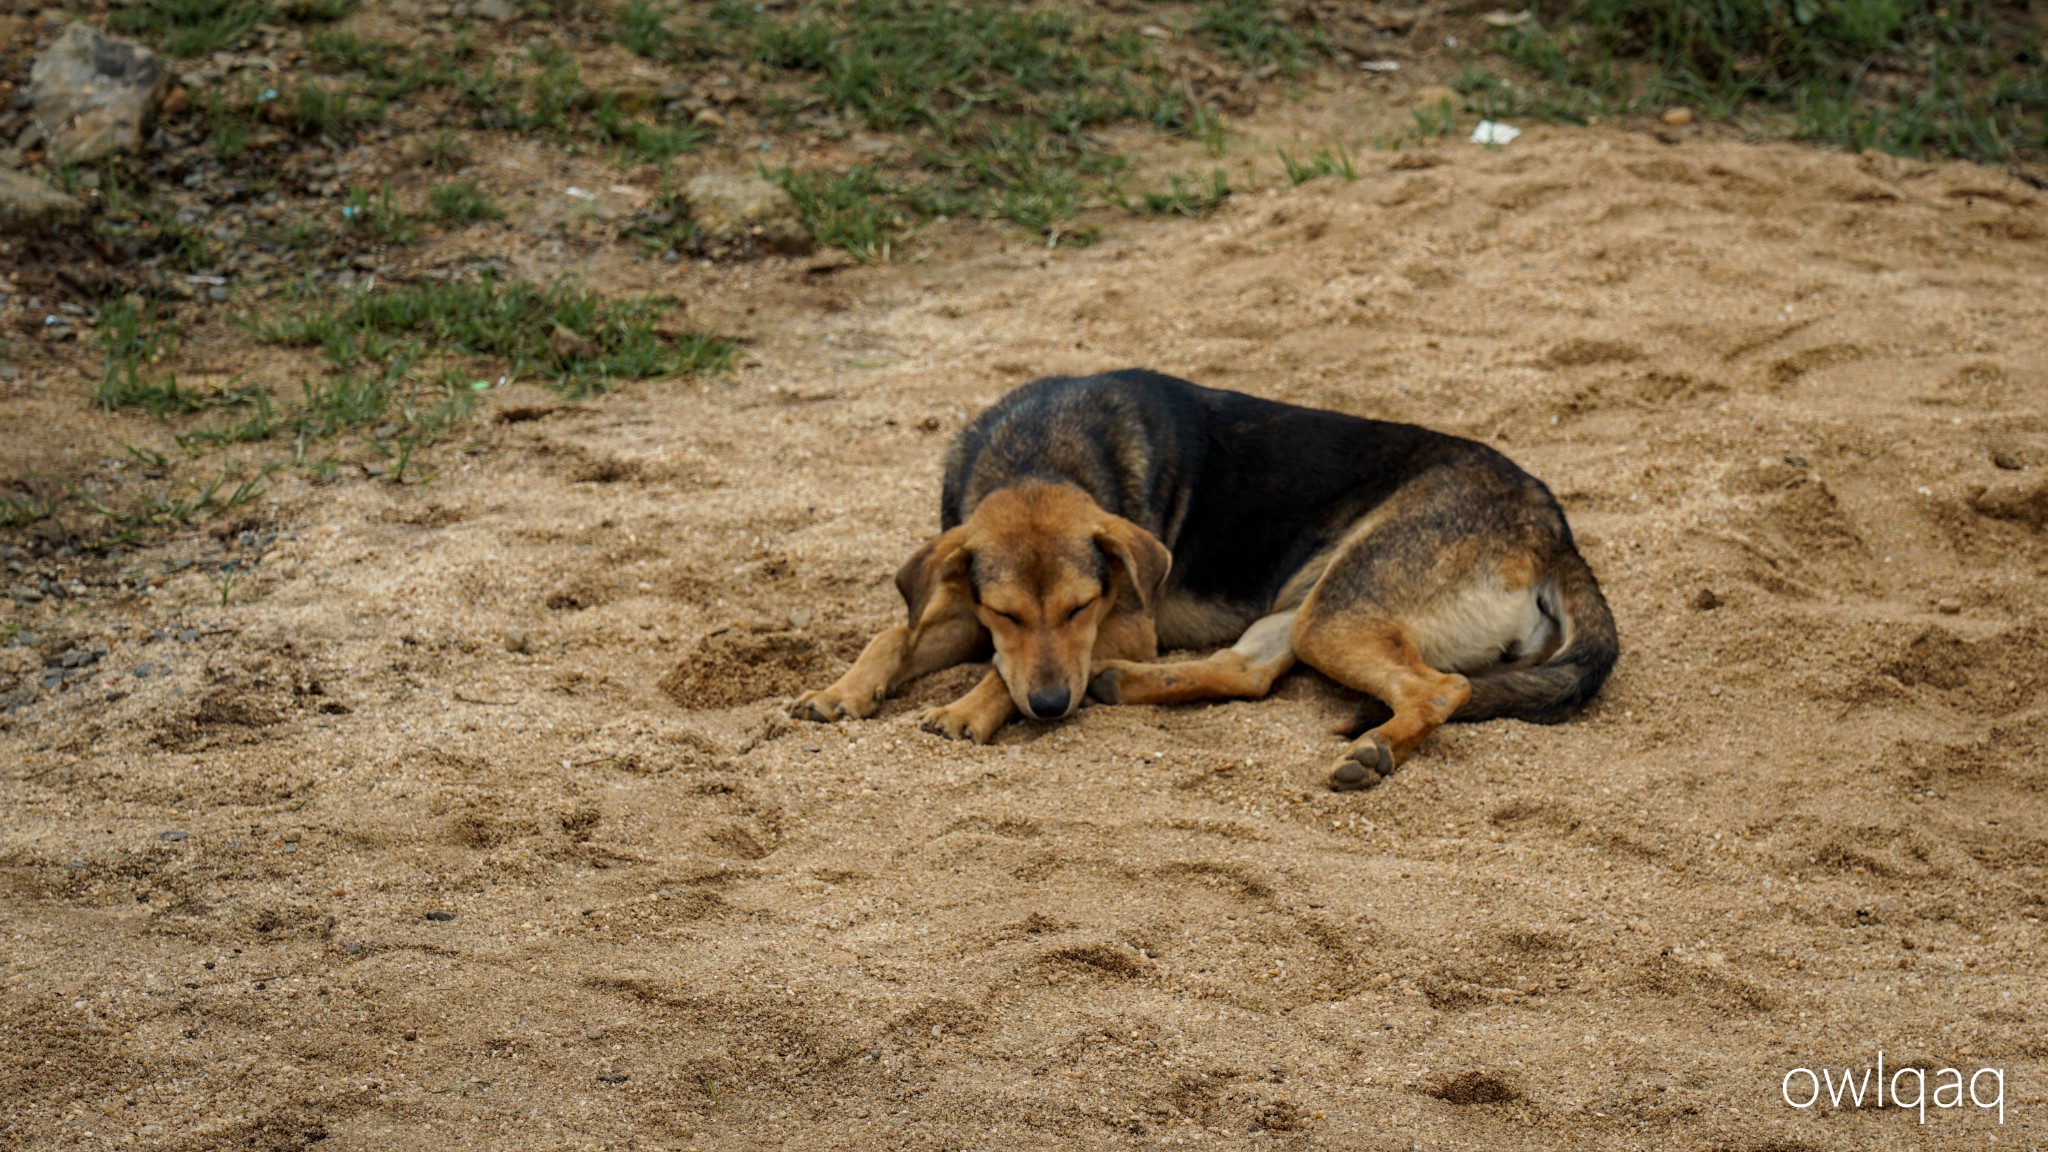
(1553, 690)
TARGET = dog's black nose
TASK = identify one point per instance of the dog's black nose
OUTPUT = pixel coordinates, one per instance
(1049, 703)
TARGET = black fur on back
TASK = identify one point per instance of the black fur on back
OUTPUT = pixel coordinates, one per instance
(1244, 491)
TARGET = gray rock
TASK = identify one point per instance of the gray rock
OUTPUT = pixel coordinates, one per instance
(27, 204)
(94, 94)
(740, 213)
(495, 10)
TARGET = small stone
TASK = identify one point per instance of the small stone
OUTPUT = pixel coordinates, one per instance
(94, 94)
(739, 212)
(1950, 607)
(2008, 461)
(440, 917)
(567, 345)
(173, 835)
(27, 204)
(499, 10)
(1677, 117)
(412, 1034)
(176, 102)
(613, 1078)
(144, 671)
(709, 119)
(800, 618)
(517, 641)
(1706, 601)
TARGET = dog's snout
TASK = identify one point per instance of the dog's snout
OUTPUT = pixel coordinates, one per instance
(1050, 703)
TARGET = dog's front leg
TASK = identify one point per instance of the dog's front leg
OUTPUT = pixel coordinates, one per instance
(895, 656)
(977, 715)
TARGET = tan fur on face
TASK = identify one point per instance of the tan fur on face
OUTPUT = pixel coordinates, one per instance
(1057, 582)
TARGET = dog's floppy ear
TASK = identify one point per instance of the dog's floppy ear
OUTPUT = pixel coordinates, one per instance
(1138, 555)
(931, 570)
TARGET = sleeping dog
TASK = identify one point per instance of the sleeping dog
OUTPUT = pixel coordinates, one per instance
(1089, 521)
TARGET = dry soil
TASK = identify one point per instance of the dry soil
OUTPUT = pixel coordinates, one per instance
(474, 820)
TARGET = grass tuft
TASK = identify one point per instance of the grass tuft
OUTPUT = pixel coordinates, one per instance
(379, 216)
(461, 201)
(1951, 77)
(1252, 33)
(1324, 162)
(190, 27)
(1183, 196)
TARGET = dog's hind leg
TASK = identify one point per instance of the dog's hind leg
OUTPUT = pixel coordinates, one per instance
(1376, 654)
(890, 660)
(1245, 669)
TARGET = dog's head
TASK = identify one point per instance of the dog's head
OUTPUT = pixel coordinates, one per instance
(1044, 569)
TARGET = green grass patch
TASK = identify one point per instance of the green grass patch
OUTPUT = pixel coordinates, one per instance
(1004, 108)
(1322, 162)
(177, 504)
(24, 502)
(640, 141)
(190, 27)
(321, 11)
(577, 340)
(379, 216)
(1254, 34)
(348, 52)
(1963, 78)
(134, 338)
(642, 29)
(1183, 196)
(313, 109)
(461, 201)
(856, 209)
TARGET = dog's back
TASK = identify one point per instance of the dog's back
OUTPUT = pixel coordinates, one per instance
(1242, 490)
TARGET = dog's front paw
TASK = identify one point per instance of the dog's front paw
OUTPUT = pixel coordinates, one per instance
(957, 723)
(829, 704)
(1367, 762)
(1107, 686)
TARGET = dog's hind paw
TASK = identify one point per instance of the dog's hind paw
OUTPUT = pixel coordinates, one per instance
(1364, 765)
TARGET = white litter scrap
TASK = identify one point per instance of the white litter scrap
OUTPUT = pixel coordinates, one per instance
(1489, 132)
(1379, 65)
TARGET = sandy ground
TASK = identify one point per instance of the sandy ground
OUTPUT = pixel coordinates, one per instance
(1793, 402)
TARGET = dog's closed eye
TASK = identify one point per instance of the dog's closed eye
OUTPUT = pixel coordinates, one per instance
(1083, 606)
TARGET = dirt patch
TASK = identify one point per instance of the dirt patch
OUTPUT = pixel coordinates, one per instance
(737, 667)
(1469, 1088)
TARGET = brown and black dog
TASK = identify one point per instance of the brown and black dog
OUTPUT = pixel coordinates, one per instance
(1090, 520)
